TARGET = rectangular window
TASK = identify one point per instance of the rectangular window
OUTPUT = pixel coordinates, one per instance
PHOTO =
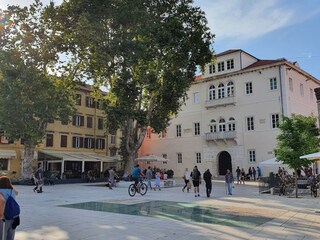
(230, 64)
(311, 94)
(165, 157)
(100, 123)
(178, 130)
(64, 141)
(78, 120)
(196, 129)
(275, 120)
(113, 139)
(100, 143)
(49, 140)
(252, 156)
(213, 128)
(148, 133)
(290, 84)
(301, 90)
(78, 99)
(198, 157)
(179, 157)
(77, 142)
(113, 152)
(4, 164)
(89, 143)
(196, 97)
(273, 84)
(89, 122)
(250, 123)
(220, 66)
(90, 102)
(249, 88)
(212, 68)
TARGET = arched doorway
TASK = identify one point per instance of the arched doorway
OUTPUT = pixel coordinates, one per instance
(224, 163)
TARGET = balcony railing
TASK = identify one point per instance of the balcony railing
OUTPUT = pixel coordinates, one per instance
(214, 136)
(220, 102)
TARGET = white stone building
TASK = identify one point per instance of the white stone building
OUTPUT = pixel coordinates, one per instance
(231, 116)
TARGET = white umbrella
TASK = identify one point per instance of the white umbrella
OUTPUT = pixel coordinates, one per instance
(312, 156)
(152, 158)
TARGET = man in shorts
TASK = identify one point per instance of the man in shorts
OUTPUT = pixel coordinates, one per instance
(196, 180)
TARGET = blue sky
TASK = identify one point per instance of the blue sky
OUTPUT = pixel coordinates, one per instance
(267, 29)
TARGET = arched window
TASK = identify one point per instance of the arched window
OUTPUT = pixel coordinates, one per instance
(213, 126)
(222, 125)
(232, 124)
(230, 89)
(212, 92)
(221, 90)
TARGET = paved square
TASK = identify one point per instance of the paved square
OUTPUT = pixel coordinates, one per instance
(79, 212)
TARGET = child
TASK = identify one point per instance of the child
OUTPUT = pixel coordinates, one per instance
(157, 181)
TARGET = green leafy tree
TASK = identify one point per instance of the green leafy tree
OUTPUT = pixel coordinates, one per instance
(299, 136)
(30, 97)
(145, 53)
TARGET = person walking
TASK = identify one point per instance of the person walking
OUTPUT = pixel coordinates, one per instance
(39, 179)
(238, 171)
(196, 180)
(259, 172)
(8, 226)
(157, 182)
(250, 173)
(186, 178)
(149, 177)
(229, 181)
(242, 175)
(207, 177)
(254, 173)
(112, 175)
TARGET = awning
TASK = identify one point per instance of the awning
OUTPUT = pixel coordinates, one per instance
(74, 156)
(7, 153)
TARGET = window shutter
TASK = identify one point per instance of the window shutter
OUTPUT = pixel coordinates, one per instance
(81, 142)
(82, 121)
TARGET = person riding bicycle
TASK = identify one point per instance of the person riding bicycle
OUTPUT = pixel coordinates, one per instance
(135, 175)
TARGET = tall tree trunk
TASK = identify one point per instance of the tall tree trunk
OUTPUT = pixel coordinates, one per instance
(26, 172)
(296, 182)
(129, 164)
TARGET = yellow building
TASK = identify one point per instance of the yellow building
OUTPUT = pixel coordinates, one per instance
(70, 149)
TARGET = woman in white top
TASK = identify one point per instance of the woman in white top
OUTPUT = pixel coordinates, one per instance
(6, 190)
(186, 178)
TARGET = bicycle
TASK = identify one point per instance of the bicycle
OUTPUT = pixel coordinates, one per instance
(140, 188)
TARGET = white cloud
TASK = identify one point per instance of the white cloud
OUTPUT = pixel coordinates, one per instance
(248, 19)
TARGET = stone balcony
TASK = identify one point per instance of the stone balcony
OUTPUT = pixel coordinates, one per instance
(220, 102)
(224, 136)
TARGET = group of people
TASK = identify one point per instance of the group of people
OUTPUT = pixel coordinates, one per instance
(195, 176)
(242, 176)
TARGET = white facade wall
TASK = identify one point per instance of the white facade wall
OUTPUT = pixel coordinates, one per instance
(261, 104)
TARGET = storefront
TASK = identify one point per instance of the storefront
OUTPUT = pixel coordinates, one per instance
(75, 164)
(5, 157)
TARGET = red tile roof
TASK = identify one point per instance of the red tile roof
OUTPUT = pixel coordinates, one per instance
(228, 52)
(261, 63)
(199, 77)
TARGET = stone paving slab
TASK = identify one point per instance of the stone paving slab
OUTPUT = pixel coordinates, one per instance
(43, 218)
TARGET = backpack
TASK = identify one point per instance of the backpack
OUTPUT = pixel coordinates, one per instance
(12, 208)
(195, 175)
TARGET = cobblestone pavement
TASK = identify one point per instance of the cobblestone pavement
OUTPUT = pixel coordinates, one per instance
(61, 213)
